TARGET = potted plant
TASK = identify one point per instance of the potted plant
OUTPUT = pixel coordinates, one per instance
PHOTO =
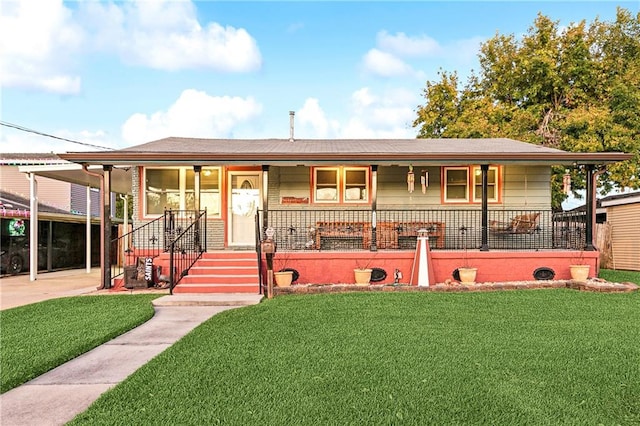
(283, 275)
(467, 273)
(579, 268)
(362, 272)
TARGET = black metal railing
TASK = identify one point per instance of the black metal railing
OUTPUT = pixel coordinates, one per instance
(258, 234)
(142, 241)
(569, 230)
(186, 247)
(152, 238)
(353, 230)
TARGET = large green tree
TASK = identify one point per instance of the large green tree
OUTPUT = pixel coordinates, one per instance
(575, 88)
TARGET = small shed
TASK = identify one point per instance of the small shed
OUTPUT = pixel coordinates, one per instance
(623, 217)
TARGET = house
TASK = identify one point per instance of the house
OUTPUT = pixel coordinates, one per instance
(336, 203)
(623, 217)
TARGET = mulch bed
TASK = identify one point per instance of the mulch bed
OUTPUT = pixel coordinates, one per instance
(594, 284)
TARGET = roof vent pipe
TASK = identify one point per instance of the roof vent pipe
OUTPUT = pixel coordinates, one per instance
(291, 114)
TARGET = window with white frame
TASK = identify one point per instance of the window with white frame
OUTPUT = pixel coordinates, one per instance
(456, 184)
(492, 184)
(174, 188)
(341, 184)
(464, 184)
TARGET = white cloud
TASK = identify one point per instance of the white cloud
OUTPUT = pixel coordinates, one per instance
(402, 45)
(314, 122)
(12, 140)
(381, 116)
(385, 64)
(194, 114)
(393, 52)
(388, 115)
(42, 41)
(167, 35)
(38, 40)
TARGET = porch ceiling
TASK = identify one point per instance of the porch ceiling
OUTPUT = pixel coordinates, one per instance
(344, 151)
(73, 173)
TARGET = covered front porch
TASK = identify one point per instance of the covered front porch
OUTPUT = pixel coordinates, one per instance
(325, 246)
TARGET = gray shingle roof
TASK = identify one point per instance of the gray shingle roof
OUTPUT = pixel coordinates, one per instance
(176, 150)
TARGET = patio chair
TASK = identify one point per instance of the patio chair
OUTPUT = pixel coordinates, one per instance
(520, 224)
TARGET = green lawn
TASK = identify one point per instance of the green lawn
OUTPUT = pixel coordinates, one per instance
(502, 358)
(38, 337)
(616, 276)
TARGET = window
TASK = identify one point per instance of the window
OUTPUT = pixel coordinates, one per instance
(326, 185)
(341, 184)
(174, 188)
(458, 187)
(492, 184)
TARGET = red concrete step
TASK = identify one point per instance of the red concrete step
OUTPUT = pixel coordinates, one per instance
(220, 279)
(222, 272)
(216, 288)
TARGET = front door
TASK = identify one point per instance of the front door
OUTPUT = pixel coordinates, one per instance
(245, 200)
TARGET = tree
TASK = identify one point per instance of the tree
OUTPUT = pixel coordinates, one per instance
(576, 89)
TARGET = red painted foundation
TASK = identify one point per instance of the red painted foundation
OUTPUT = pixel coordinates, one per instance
(493, 266)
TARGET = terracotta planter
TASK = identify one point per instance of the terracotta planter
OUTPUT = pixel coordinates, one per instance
(579, 272)
(362, 276)
(283, 278)
(467, 275)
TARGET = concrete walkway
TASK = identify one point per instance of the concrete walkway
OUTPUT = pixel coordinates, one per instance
(58, 396)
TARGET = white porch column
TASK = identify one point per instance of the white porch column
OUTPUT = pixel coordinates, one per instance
(33, 227)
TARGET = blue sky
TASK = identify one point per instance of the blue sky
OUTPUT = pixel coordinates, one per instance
(117, 74)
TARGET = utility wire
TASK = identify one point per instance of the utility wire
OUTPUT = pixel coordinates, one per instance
(25, 129)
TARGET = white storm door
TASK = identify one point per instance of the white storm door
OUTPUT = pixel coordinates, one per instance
(245, 199)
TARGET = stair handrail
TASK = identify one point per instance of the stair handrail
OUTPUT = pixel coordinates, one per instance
(151, 248)
(258, 237)
(189, 245)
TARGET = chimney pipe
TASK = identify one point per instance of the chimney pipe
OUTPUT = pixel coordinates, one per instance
(291, 114)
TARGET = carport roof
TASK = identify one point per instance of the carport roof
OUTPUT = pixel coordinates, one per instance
(54, 167)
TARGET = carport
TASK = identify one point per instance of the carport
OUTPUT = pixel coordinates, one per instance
(107, 179)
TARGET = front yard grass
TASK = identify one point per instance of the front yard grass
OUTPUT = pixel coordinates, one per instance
(512, 357)
(618, 276)
(39, 337)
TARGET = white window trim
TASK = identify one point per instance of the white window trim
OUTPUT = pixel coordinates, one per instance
(341, 185)
(182, 189)
(315, 185)
(446, 185)
(496, 184)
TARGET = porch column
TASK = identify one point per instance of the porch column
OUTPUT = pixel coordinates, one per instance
(196, 203)
(196, 187)
(265, 198)
(87, 248)
(485, 207)
(374, 207)
(591, 196)
(105, 262)
(33, 227)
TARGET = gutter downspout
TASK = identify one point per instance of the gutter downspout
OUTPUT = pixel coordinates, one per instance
(594, 205)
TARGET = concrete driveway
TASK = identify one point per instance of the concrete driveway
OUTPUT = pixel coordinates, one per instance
(18, 290)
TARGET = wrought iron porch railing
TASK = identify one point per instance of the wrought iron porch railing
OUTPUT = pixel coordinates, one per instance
(186, 248)
(352, 230)
(150, 239)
